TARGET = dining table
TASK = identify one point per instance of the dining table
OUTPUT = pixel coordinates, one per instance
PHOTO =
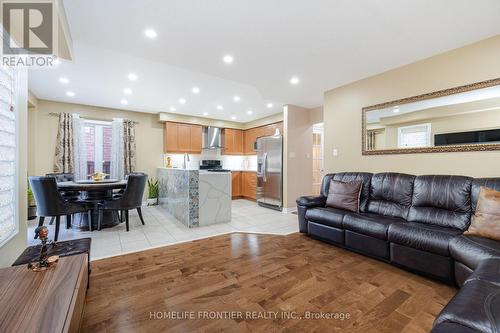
(93, 192)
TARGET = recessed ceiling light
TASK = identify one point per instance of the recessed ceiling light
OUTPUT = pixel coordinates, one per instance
(249, 112)
(132, 77)
(396, 110)
(64, 80)
(127, 91)
(228, 59)
(195, 90)
(70, 93)
(172, 109)
(233, 117)
(150, 33)
(205, 114)
(56, 62)
(269, 105)
(182, 101)
(220, 107)
(236, 98)
(124, 101)
(294, 80)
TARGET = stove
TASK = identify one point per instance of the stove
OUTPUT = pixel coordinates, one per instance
(211, 165)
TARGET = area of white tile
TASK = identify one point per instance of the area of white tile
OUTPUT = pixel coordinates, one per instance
(162, 229)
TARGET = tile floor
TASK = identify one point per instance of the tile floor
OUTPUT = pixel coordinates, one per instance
(162, 229)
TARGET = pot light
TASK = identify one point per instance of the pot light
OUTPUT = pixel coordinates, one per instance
(172, 109)
(205, 114)
(64, 80)
(396, 110)
(132, 77)
(150, 33)
(294, 80)
(236, 98)
(269, 105)
(56, 62)
(124, 101)
(195, 90)
(228, 59)
(220, 107)
(249, 112)
(233, 117)
(127, 91)
(182, 101)
(70, 93)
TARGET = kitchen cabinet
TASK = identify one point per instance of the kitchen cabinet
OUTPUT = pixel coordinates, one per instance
(233, 142)
(249, 184)
(236, 184)
(251, 135)
(182, 138)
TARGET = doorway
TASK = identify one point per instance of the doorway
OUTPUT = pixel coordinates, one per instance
(317, 157)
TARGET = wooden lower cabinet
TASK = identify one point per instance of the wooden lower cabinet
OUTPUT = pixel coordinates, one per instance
(244, 185)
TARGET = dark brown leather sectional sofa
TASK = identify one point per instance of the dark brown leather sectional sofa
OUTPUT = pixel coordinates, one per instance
(417, 223)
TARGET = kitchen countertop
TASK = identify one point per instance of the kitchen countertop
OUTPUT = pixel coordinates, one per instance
(193, 169)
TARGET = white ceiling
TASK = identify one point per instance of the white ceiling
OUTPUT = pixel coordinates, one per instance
(326, 43)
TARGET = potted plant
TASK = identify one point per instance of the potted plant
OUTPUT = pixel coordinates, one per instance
(153, 188)
(31, 204)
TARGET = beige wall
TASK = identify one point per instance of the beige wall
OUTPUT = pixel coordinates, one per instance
(297, 154)
(149, 134)
(13, 248)
(342, 112)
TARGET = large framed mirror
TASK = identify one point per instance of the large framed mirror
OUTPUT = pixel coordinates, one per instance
(465, 118)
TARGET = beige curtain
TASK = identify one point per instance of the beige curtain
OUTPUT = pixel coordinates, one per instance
(370, 140)
(129, 146)
(63, 160)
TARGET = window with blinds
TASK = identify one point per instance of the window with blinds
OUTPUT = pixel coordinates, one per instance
(8, 155)
(416, 136)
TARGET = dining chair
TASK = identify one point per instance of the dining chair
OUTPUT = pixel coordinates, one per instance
(130, 199)
(51, 203)
(69, 195)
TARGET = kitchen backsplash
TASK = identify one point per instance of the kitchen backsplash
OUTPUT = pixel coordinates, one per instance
(230, 162)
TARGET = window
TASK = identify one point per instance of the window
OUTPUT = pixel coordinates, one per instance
(416, 136)
(98, 136)
(8, 154)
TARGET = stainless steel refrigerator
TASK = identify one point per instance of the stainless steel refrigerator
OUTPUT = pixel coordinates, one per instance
(270, 171)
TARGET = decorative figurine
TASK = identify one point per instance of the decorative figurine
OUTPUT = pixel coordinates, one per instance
(44, 262)
(169, 162)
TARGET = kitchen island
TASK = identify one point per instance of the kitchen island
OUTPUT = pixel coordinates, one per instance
(195, 197)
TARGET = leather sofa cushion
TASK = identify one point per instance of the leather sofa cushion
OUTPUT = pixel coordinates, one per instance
(471, 250)
(331, 217)
(423, 237)
(452, 328)
(476, 305)
(370, 224)
(354, 176)
(391, 194)
(442, 200)
(311, 201)
(493, 183)
(488, 270)
(344, 195)
(486, 220)
(325, 184)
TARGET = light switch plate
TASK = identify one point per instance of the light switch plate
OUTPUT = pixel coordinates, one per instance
(335, 152)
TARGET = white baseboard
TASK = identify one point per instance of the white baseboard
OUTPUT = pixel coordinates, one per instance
(289, 210)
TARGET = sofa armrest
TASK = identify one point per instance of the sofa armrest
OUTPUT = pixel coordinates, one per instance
(312, 201)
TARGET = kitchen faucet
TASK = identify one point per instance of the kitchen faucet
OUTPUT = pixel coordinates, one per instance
(186, 159)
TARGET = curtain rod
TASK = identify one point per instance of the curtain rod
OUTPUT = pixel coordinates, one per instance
(56, 114)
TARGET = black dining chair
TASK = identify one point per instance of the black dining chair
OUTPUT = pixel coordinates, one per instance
(130, 199)
(49, 202)
(68, 195)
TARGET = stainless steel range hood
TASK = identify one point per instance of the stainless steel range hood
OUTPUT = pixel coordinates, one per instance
(212, 137)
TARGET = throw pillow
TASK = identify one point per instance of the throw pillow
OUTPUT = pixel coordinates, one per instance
(344, 195)
(486, 221)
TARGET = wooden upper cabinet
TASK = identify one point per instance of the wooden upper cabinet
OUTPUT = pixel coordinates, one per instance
(233, 142)
(170, 136)
(182, 138)
(196, 139)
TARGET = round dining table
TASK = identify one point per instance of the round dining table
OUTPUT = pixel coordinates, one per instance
(93, 192)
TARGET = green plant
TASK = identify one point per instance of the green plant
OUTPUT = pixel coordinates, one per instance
(153, 188)
(31, 198)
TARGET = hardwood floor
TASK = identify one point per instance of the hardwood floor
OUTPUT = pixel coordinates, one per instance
(240, 275)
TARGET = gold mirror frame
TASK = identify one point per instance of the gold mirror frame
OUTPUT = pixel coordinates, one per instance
(441, 149)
